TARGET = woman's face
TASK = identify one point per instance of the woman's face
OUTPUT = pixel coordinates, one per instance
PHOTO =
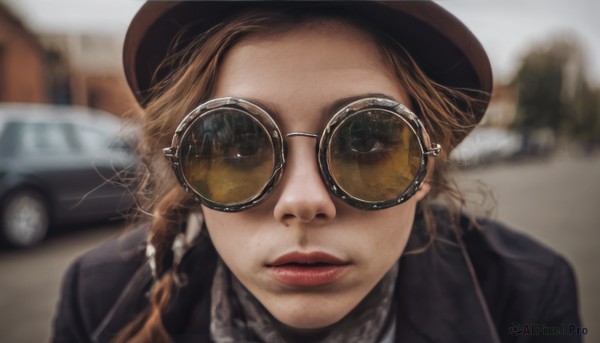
(308, 257)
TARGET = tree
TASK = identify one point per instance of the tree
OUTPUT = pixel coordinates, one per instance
(553, 92)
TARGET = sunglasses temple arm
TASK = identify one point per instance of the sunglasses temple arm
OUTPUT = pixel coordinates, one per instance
(169, 152)
(433, 150)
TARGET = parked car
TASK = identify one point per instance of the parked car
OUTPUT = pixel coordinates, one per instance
(59, 165)
(487, 145)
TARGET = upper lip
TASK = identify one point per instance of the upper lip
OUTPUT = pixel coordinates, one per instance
(306, 258)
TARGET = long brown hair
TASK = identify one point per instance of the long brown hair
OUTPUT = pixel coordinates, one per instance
(194, 70)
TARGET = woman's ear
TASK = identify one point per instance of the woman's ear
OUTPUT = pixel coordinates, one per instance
(422, 192)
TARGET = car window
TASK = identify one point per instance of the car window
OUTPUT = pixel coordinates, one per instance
(8, 132)
(122, 144)
(92, 139)
(45, 138)
(2, 126)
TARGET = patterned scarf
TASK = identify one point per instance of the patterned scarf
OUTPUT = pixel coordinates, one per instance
(237, 316)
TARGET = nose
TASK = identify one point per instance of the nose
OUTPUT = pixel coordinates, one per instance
(303, 197)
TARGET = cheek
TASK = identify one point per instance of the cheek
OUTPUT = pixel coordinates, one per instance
(230, 237)
(389, 233)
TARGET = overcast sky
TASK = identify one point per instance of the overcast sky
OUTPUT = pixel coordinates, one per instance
(506, 28)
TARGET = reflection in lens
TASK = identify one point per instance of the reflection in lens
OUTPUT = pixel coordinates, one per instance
(227, 156)
(374, 155)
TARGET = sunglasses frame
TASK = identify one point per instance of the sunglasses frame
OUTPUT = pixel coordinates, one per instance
(262, 117)
(394, 108)
(173, 153)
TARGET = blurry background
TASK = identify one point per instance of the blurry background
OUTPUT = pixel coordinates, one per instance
(533, 164)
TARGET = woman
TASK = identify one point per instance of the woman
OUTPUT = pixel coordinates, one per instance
(294, 153)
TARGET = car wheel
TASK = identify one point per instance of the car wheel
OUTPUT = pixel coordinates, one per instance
(25, 219)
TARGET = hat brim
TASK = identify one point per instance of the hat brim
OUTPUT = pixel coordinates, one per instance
(441, 44)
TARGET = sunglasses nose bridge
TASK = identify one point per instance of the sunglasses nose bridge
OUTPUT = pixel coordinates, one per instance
(302, 134)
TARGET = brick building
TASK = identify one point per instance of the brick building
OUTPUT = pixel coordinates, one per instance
(86, 71)
(22, 62)
(61, 68)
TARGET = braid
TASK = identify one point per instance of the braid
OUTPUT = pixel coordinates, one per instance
(167, 220)
(148, 326)
(166, 223)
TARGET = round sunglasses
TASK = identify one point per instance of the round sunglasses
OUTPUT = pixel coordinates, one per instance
(230, 154)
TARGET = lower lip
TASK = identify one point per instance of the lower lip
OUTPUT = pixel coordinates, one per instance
(306, 276)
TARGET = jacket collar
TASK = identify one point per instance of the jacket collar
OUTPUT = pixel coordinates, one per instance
(437, 300)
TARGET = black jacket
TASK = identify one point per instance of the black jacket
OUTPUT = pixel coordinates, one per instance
(530, 293)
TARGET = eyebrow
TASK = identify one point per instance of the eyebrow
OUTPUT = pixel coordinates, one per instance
(327, 111)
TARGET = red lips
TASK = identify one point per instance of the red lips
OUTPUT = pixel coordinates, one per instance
(307, 269)
(306, 258)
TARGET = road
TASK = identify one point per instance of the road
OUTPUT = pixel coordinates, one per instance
(556, 201)
(30, 282)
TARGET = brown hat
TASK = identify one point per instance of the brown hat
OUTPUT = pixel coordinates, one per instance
(442, 46)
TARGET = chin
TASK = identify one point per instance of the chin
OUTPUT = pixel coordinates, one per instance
(310, 312)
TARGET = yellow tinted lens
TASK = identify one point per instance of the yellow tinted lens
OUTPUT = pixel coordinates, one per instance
(227, 156)
(374, 155)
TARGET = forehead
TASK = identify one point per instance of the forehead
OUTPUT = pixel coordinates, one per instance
(315, 44)
(306, 67)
